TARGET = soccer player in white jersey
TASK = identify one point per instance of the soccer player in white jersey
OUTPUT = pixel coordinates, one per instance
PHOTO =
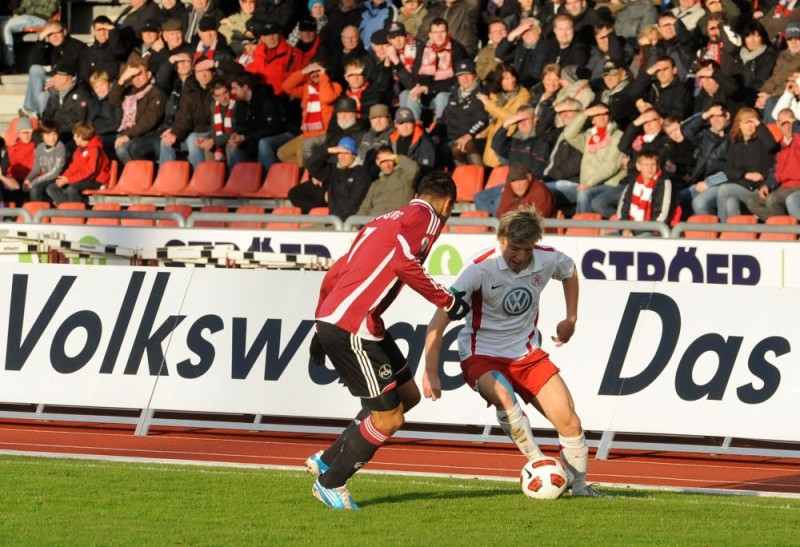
(500, 345)
(387, 254)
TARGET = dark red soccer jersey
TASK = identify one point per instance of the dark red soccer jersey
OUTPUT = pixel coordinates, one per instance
(387, 254)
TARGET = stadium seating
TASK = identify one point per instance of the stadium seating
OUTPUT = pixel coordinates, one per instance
(778, 220)
(212, 223)
(578, 231)
(184, 210)
(172, 178)
(69, 206)
(245, 178)
(285, 225)
(207, 180)
(108, 221)
(136, 178)
(469, 181)
(248, 210)
(740, 219)
(281, 178)
(470, 229)
(32, 207)
(145, 207)
(701, 234)
(498, 176)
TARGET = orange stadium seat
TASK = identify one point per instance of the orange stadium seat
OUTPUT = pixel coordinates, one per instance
(32, 207)
(172, 178)
(469, 181)
(212, 223)
(498, 176)
(69, 206)
(245, 177)
(470, 229)
(136, 178)
(778, 220)
(740, 219)
(701, 234)
(144, 207)
(579, 231)
(285, 225)
(108, 221)
(248, 210)
(207, 180)
(282, 177)
(184, 210)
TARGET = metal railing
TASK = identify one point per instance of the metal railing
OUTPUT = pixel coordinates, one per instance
(14, 212)
(316, 220)
(682, 227)
(122, 215)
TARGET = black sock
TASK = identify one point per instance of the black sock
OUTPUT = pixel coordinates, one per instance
(333, 450)
(358, 446)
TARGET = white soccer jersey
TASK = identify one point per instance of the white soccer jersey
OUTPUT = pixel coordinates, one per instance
(505, 305)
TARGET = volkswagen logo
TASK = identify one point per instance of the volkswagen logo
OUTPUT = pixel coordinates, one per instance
(517, 301)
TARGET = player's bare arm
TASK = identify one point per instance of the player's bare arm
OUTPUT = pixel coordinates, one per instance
(431, 383)
(566, 328)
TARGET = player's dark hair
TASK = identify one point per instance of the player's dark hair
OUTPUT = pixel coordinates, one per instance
(437, 184)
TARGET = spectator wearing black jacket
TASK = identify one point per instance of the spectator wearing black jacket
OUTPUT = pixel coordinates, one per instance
(68, 103)
(659, 87)
(101, 56)
(565, 48)
(105, 115)
(464, 118)
(147, 146)
(54, 48)
(174, 9)
(754, 62)
(344, 123)
(259, 123)
(172, 38)
(284, 13)
(524, 49)
(341, 183)
(715, 87)
(410, 140)
(209, 44)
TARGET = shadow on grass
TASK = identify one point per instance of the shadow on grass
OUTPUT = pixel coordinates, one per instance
(416, 497)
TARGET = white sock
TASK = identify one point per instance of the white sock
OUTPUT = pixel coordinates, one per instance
(516, 425)
(575, 454)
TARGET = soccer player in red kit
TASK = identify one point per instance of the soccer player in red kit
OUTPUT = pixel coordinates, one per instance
(387, 254)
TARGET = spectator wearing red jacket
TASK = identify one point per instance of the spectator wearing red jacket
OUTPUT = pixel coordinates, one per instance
(89, 169)
(271, 57)
(20, 154)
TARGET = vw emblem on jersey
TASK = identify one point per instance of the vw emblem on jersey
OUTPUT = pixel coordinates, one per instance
(385, 372)
(517, 301)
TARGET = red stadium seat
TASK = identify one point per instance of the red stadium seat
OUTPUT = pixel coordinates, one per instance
(498, 176)
(172, 178)
(701, 234)
(780, 220)
(285, 225)
(212, 223)
(207, 180)
(184, 210)
(69, 206)
(248, 210)
(32, 207)
(245, 178)
(740, 219)
(145, 207)
(470, 229)
(107, 221)
(469, 181)
(136, 178)
(281, 178)
(579, 231)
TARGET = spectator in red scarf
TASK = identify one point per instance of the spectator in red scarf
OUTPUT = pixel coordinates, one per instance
(648, 195)
(429, 84)
(222, 121)
(142, 106)
(209, 44)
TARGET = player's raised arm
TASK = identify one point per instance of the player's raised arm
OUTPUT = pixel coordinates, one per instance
(566, 328)
(431, 383)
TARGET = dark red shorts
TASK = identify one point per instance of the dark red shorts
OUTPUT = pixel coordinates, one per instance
(527, 375)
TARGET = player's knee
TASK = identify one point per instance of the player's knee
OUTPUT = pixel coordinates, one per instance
(389, 421)
(570, 426)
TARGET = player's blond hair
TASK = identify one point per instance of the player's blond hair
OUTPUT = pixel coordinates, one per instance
(523, 225)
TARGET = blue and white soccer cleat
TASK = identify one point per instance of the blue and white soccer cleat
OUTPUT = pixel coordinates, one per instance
(335, 498)
(315, 466)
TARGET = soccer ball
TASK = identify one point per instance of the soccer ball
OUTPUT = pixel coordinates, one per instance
(543, 479)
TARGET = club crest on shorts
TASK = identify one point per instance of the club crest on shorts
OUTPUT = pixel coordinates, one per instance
(385, 372)
(517, 301)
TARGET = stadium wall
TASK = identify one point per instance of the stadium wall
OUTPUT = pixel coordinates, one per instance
(716, 357)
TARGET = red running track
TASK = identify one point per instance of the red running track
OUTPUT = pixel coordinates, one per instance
(734, 474)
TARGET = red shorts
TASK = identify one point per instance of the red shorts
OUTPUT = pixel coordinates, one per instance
(527, 375)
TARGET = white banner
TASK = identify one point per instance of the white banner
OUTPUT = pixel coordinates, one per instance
(662, 357)
(710, 262)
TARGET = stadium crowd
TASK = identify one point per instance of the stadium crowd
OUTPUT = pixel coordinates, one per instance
(630, 108)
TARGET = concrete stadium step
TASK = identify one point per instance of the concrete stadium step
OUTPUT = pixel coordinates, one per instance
(13, 84)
